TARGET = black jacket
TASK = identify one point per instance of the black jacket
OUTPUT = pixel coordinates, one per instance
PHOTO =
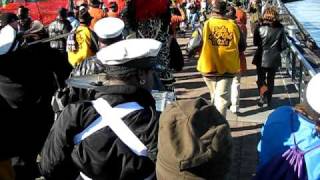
(102, 155)
(271, 42)
(26, 89)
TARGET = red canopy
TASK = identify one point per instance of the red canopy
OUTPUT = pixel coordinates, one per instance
(44, 10)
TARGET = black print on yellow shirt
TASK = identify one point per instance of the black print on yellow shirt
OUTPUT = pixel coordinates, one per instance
(220, 36)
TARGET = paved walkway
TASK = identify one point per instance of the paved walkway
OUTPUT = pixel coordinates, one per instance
(246, 125)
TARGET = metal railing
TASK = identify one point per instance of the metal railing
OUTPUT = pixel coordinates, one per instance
(300, 68)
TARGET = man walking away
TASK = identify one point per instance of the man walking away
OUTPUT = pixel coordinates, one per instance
(219, 58)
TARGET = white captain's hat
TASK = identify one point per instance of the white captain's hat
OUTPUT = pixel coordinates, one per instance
(109, 27)
(137, 53)
(121, 59)
(312, 93)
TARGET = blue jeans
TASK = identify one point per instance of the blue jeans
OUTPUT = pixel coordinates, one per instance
(193, 19)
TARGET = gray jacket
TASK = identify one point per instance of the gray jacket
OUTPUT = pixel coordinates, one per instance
(59, 27)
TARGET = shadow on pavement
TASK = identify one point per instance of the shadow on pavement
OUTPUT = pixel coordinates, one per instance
(249, 72)
(243, 128)
(276, 102)
(254, 111)
(244, 156)
(280, 89)
(190, 85)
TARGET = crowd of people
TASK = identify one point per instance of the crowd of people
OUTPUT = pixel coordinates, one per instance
(77, 103)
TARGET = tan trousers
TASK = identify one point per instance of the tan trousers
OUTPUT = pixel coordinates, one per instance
(235, 94)
(220, 92)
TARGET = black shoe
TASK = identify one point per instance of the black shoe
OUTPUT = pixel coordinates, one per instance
(269, 104)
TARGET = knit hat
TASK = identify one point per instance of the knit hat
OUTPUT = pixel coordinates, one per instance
(312, 93)
(219, 6)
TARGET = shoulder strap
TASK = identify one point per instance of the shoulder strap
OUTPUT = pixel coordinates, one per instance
(95, 44)
(199, 29)
(112, 117)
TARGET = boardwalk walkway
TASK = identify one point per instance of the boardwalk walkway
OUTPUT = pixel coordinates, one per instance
(246, 126)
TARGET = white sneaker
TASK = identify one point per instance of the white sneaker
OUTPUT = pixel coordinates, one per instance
(234, 109)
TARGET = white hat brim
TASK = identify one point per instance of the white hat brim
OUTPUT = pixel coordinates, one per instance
(7, 37)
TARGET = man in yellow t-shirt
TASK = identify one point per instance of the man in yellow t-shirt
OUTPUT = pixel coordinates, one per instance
(86, 40)
(219, 58)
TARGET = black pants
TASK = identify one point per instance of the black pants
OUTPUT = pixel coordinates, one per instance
(263, 75)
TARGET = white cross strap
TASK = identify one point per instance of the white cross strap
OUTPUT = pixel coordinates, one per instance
(112, 117)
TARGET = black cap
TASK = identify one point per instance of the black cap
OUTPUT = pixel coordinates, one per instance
(84, 16)
(24, 12)
(62, 13)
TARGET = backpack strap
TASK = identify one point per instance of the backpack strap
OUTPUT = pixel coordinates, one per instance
(112, 117)
(94, 42)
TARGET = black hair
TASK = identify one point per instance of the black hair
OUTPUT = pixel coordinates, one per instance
(113, 6)
(7, 18)
(111, 40)
(62, 13)
(238, 3)
(70, 13)
(24, 12)
(223, 7)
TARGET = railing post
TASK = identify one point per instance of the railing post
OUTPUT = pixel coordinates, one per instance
(293, 66)
(300, 81)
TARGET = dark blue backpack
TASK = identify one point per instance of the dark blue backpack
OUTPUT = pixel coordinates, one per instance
(289, 165)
